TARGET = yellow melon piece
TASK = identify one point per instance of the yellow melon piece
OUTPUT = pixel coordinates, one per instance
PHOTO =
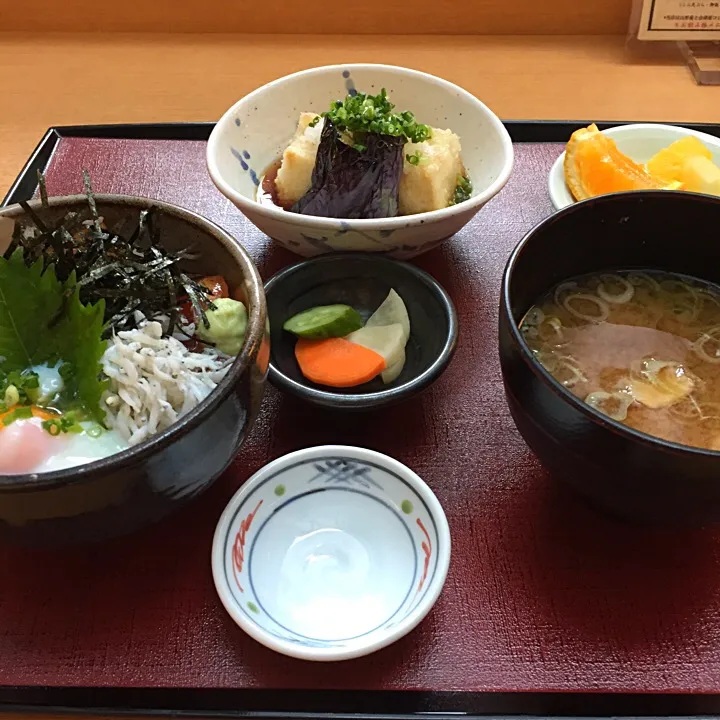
(668, 163)
(701, 175)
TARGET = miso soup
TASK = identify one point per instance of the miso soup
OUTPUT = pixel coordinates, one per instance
(641, 347)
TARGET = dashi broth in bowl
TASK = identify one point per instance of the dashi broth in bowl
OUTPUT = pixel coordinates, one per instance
(115, 418)
(609, 316)
(376, 194)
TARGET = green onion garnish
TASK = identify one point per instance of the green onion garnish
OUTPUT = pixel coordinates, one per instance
(67, 423)
(415, 158)
(22, 412)
(12, 396)
(26, 384)
(95, 431)
(362, 113)
(463, 190)
(52, 426)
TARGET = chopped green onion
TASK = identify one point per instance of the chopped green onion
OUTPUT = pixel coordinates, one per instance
(67, 423)
(95, 431)
(22, 412)
(26, 384)
(415, 158)
(362, 113)
(12, 396)
(52, 426)
(463, 190)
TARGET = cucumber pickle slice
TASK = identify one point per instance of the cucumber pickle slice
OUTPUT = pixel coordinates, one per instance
(325, 321)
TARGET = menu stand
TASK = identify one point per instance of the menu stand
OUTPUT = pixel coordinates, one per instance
(688, 29)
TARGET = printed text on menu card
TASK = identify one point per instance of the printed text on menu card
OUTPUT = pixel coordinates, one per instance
(688, 20)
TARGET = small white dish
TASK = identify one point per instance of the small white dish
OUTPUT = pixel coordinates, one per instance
(331, 553)
(639, 141)
(255, 131)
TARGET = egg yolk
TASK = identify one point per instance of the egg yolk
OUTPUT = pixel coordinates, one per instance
(24, 445)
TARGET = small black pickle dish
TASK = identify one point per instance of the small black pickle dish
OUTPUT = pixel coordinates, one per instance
(137, 487)
(630, 474)
(363, 281)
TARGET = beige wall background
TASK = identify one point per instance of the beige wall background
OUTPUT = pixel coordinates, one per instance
(416, 17)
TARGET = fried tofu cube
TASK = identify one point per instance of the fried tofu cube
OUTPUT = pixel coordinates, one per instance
(298, 161)
(430, 184)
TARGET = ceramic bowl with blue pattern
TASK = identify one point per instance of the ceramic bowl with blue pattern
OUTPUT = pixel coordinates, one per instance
(331, 553)
(254, 132)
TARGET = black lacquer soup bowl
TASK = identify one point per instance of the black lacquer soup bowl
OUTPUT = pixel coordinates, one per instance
(628, 473)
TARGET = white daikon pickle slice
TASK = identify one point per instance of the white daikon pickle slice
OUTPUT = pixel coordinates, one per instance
(393, 372)
(391, 311)
(386, 340)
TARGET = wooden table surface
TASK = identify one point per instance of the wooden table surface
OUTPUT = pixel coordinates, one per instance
(71, 79)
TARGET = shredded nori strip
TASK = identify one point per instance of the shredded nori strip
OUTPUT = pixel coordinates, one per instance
(130, 272)
(90, 197)
(43, 189)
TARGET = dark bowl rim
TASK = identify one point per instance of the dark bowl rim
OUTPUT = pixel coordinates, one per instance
(356, 401)
(257, 312)
(539, 371)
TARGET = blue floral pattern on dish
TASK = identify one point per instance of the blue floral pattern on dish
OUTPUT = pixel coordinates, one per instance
(242, 157)
(349, 84)
(345, 471)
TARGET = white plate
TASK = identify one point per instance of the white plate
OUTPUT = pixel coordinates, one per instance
(639, 142)
(331, 553)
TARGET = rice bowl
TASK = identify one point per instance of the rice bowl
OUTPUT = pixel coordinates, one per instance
(152, 474)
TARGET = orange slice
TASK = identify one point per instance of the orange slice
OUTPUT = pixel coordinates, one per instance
(668, 163)
(594, 166)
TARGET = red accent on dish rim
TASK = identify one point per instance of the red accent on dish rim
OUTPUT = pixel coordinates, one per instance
(427, 549)
(238, 553)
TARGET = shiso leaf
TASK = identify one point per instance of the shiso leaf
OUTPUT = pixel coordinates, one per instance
(7, 228)
(79, 341)
(354, 184)
(42, 321)
(29, 300)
